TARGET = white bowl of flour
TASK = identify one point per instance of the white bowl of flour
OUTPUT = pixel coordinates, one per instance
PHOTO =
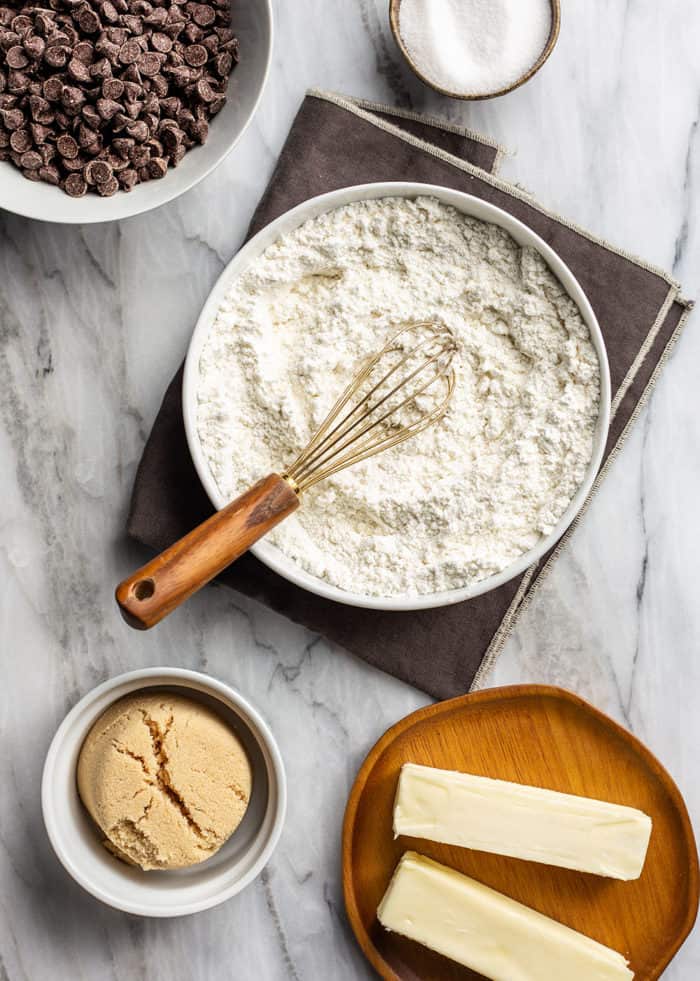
(470, 503)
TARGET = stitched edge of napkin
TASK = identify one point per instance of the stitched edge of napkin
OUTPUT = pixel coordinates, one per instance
(419, 117)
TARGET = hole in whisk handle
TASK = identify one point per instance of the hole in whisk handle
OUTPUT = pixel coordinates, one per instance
(144, 589)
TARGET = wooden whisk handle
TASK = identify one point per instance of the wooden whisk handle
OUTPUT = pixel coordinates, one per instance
(170, 578)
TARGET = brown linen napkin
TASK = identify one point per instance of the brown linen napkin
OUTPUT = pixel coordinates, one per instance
(335, 142)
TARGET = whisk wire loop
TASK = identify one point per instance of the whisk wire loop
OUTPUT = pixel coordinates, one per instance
(347, 437)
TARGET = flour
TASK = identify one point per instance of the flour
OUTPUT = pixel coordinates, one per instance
(474, 47)
(467, 497)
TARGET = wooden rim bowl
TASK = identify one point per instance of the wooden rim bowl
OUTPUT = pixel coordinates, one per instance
(394, 8)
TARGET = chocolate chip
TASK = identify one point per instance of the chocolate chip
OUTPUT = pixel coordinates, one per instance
(17, 57)
(97, 172)
(172, 137)
(177, 155)
(203, 14)
(155, 147)
(39, 133)
(132, 74)
(161, 42)
(50, 175)
(87, 136)
(199, 130)
(211, 43)
(20, 140)
(78, 70)
(205, 91)
(67, 147)
(109, 12)
(17, 82)
(91, 116)
(52, 89)
(73, 164)
(72, 97)
(112, 88)
(128, 178)
(193, 33)
(159, 85)
(130, 52)
(35, 47)
(157, 17)
(31, 160)
(57, 56)
(108, 108)
(40, 109)
(108, 188)
(140, 155)
(138, 130)
(87, 20)
(196, 55)
(123, 145)
(170, 106)
(149, 63)
(223, 64)
(96, 148)
(12, 118)
(84, 51)
(109, 49)
(133, 23)
(75, 186)
(101, 69)
(21, 24)
(48, 152)
(157, 168)
(132, 91)
(133, 109)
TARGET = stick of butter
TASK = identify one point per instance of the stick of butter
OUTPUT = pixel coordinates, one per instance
(488, 932)
(521, 822)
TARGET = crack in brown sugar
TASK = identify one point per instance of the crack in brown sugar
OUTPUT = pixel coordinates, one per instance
(163, 779)
(125, 751)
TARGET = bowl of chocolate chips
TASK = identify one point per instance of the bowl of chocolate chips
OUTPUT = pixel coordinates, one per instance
(109, 108)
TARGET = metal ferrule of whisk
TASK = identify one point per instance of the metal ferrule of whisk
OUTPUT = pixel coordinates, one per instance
(397, 393)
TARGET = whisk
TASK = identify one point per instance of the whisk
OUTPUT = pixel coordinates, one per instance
(398, 392)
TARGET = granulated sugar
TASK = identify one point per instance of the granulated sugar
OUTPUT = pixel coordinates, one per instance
(474, 47)
(468, 496)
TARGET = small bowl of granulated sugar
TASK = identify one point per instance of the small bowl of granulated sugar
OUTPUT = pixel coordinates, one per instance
(475, 49)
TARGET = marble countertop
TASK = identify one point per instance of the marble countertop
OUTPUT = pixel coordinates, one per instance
(94, 321)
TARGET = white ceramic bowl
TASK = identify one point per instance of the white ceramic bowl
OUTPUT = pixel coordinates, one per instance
(253, 25)
(76, 840)
(468, 205)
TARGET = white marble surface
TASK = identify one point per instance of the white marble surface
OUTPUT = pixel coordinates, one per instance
(93, 322)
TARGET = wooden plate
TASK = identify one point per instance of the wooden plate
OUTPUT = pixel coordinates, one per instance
(550, 738)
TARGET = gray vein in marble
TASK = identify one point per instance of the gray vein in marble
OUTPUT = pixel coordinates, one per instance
(279, 929)
(386, 53)
(681, 242)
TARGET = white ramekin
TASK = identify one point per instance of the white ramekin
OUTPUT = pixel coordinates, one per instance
(253, 25)
(77, 841)
(468, 205)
